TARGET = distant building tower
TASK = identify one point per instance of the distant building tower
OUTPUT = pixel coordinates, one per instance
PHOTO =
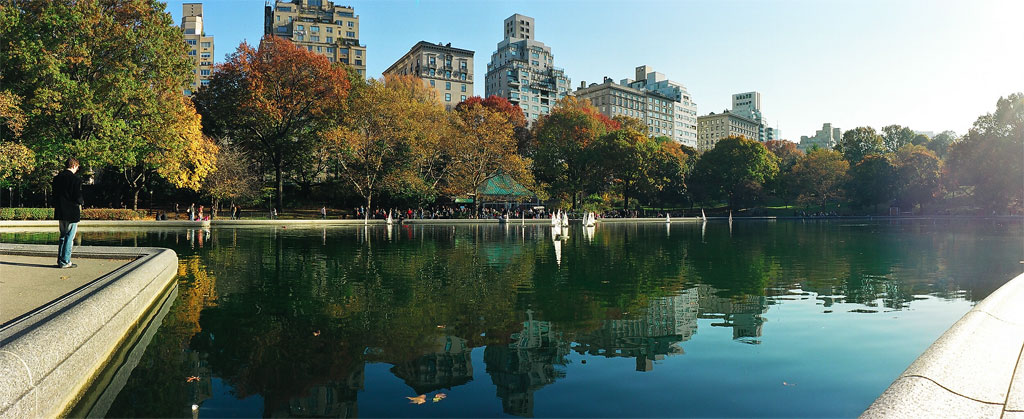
(522, 70)
(748, 105)
(448, 71)
(200, 46)
(825, 138)
(320, 27)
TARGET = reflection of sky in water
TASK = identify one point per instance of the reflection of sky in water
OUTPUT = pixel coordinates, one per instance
(761, 319)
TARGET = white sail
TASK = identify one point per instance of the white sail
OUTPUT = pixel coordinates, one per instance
(389, 219)
(668, 219)
(554, 220)
(702, 216)
(565, 220)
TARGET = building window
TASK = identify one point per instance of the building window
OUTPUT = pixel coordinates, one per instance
(447, 85)
(205, 82)
(190, 41)
(330, 50)
(330, 29)
(350, 34)
(282, 29)
(463, 98)
(463, 87)
(204, 72)
(463, 76)
(314, 38)
(359, 62)
(300, 27)
(300, 37)
(314, 29)
(192, 52)
(359, 53)
(206, 44)
(351, 24)
(319, 49)
(330, 39)
(447, 97)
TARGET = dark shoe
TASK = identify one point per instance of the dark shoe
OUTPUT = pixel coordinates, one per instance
(70, 265)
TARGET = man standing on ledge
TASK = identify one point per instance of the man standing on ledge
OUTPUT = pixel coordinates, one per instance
(67, 193)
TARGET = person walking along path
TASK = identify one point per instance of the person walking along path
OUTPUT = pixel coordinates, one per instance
(67, 191)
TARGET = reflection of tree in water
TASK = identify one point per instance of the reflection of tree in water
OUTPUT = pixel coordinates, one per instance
(158, 386)
(520, 368)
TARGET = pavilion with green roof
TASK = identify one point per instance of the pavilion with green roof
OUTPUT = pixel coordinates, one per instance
(503, 188)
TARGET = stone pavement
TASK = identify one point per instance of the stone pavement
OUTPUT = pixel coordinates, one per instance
(28, 282)
(975, 369)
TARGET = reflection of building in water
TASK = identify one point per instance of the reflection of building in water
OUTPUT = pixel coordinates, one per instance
(449, 365)
(741, 313)
(649, 337)
(525, 365)
(335, 399)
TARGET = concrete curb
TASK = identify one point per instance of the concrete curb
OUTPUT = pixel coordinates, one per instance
(105, 223)
(975, 369)
(51, 355)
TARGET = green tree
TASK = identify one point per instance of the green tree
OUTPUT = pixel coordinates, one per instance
(484, 144)
(275, 102)
(918, 175)
(988, 159)
(860, 142)
(941, 142)
(896, 136)
(669, 174)
(819, 176)
(871, 180)
(567, 151)
(107, 89)
(629, 156)
(735, 170)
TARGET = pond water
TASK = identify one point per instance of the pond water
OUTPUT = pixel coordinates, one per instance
(794, 318)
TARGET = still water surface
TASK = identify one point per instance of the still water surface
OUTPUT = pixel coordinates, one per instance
(760, 319)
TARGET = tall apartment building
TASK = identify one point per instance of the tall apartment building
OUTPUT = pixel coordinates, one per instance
(522, 70)
(656, 110)
(200, 45)
(748, 105)
(445, 69)
(714, 127)
(825, 138)
(319, 26)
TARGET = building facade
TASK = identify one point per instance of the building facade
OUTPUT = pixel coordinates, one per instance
(522, 70)
(714, 127)
(200, 46)
(320, 26)
(748, 105)
(825, 138)
(448, 71)
(663, 105)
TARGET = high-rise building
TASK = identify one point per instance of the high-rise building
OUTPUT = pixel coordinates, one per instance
(664, 105)
(748, 105)
(200, 46)
(714, 127)
(825, 138)
(443, 68)
(522, 70)
(319, 26)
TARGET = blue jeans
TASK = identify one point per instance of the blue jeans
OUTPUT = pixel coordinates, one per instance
(67, 238)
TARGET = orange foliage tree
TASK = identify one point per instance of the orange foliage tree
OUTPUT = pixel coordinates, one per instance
(275, 101)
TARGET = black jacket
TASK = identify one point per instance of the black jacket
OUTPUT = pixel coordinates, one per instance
(67, 197)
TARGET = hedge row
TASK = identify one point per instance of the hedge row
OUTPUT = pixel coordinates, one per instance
(87, 214)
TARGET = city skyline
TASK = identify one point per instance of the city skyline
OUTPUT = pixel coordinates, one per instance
(931, 66)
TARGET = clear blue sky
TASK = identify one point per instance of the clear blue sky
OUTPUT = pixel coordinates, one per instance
(932, 65)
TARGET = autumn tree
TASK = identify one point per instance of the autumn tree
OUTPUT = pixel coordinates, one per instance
(859, 142)
(989, 159)
(234, 180)
(274, 101)
(392, 124)
(514, 114)
(820, 176)
(107, 90)
(941, 142)
(871, 181)
(785, 151)
(918, 175)
(484, 144)
(567, 155)
(670, 166)
(735, 170)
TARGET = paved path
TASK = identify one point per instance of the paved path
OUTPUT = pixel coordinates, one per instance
(28, 282)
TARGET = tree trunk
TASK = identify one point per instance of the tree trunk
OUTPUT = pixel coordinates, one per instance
(366, 214)
(135, 199)
(280, 185)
